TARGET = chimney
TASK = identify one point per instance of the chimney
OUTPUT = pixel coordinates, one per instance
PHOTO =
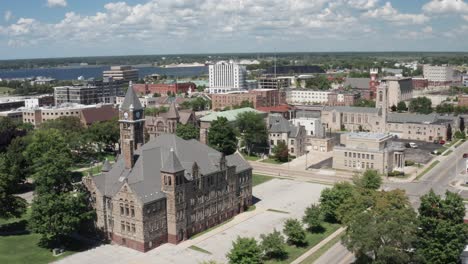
(128, 153)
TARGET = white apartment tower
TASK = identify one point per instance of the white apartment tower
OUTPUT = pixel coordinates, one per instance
(440, 74)
(226, 76)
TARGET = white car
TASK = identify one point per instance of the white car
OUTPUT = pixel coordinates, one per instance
(413, 145)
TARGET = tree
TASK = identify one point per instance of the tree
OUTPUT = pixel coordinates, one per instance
(281, 152)
(318, 82)
(442, 235)
(245, 251)
(449, 132)
(273, 245)
(15, 163)
(105, 134)
(393, 108)
(295, 232)
(370, 179)
(462, 124)
(364, 103)
(313, 218)
(401, 107)
(8, 131)
(187, 131)
(385, 232)
(421, 105)
(253, 130)
(56, 216)
(332, 198)
(221, 136)
(10, 205)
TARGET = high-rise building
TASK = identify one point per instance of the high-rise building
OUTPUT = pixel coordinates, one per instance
(226, 76)
(270, 82)
(125, 73)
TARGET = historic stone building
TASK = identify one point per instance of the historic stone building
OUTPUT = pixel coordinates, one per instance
(282, 130)
(167, 189)
(166, 123)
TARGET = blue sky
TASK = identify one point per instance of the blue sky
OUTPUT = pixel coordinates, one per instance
(64, 28)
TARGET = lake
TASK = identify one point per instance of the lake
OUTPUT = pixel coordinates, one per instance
(72, 73)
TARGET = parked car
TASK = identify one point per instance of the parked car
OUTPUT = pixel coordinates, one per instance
(465, 155)
(442, 142)
(435, 152)
(413, 145)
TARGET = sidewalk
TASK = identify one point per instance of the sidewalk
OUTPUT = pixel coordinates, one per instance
(318, 246)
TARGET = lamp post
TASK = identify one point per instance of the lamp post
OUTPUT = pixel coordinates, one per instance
(307, 152)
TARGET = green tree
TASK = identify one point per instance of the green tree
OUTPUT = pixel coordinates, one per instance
(421, 105)
(187, 131)
(10, 205)
(105, 133)
(319, 82)
(222, 137)
(370, 179)
(253, 130)
(295, 232)
(332, 198)
(281, 152)
(313, 218)
(245, 251)
(15, 163)
(401, 107)
(57, 215)
(8, 131)
(273, 245)
(393, 108)
(442, 235)
(243, 104)
(462, 124)
(384, 233)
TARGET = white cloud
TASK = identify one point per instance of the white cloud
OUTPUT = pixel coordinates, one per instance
(389, 13)
(465, 18)
(446, 6)
(8, 15)
(427, 30)
(56, 3)
(363, 4)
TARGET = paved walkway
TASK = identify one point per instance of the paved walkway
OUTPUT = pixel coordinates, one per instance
(318, 246)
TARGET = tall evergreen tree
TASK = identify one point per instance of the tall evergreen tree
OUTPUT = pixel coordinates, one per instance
(222, 136)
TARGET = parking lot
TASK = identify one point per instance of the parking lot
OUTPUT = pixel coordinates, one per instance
(421, 154)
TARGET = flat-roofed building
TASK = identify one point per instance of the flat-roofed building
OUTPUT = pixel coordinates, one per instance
(15, 115)
(399, 89)
(124, 73)
(307, 96)
(362, 151)
(439, 75)
(271, 82)
(92, 92)
(226, 76)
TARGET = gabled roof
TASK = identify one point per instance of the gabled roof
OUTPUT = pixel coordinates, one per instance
(106, 166)
(418, 118)
(131, 100)
(172, 113)
(352, 109)
(98, 114)
(278, 124)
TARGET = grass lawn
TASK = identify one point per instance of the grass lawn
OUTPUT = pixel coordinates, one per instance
(447, 153)
(259, 179)
(317, 254)
(24, 248)
(441, 150)
(251, 158)
(272, 161)
(433, 164)
(452, 143)
(5, 90)
(312, 240)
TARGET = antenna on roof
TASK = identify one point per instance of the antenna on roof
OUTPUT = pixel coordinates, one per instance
(275, 64)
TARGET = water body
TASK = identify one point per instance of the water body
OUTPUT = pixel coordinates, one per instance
(72, 73)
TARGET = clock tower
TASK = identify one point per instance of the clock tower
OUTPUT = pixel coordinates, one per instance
(132, 121)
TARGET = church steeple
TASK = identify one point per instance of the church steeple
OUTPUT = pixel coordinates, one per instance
(131, 119)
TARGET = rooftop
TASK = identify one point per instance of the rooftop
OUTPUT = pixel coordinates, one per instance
(367, 135)
(230, 115)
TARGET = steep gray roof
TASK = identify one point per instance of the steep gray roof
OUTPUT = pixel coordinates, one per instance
(278, 124)
(352, 109)
(106, 166)
(156, 156)
(172, 163)
(361, 83)
(131, 99)
(172, 113)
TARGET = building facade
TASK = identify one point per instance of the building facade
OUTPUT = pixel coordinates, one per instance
(307, 96)
(165, 88)
(362, 151)
(226, 76)
(399, 89)
(271, 82)
(93, 92)
(438, 75)
(123, 73)
(166, 123)
(166, 190)
(258, 98)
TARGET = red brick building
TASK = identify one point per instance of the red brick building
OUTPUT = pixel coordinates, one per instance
(420, 83)
(164, 88)
(258, 98)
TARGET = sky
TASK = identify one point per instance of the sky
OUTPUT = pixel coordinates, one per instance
(67, 28)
